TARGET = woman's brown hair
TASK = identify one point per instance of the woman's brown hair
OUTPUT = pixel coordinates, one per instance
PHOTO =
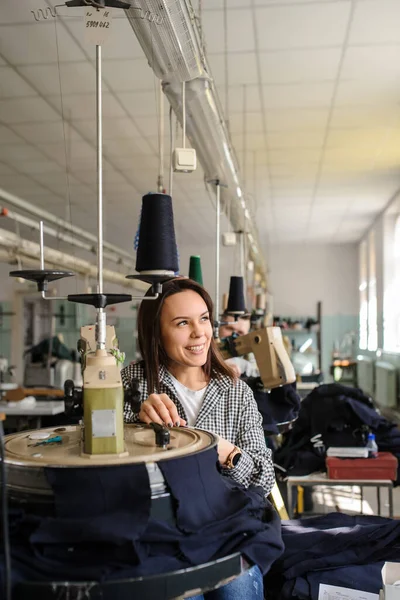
(149, 334)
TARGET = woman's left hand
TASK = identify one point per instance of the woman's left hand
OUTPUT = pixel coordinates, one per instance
(224, 450)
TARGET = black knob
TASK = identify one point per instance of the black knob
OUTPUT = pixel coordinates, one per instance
(132, 396)
(162, 435)
(69, 388)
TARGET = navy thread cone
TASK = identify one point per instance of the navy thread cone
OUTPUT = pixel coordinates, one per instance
(236, 302)
(157, 250)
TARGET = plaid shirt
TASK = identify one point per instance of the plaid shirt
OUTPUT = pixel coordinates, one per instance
(228, 410)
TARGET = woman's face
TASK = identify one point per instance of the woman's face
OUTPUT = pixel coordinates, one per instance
(186, 329)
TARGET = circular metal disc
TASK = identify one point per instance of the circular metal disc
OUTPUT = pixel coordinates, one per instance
(139, 446)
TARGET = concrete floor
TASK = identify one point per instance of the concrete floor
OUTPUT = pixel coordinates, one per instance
(348, 500)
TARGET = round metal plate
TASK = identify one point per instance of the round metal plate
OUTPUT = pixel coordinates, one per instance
(139, 445)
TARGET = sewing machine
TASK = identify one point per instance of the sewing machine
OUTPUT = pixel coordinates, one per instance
(267, 345)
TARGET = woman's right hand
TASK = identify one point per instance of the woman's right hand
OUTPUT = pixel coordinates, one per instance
(159, 408)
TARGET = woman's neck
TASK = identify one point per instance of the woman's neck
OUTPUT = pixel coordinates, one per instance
(193, 378)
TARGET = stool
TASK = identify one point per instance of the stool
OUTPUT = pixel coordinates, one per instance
(322, 479)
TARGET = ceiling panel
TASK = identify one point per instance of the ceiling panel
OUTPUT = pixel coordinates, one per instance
(74, 78)
(318, 95)
(376, 22)
(129, 75)
(236, 98)
(338, 153)
(304, 119)
(26, 110)
(296, 139)
(83, 106)
(296, 66)
(240, 31)
(243, 69)
(12, 85)
(36, 43)
(303, 26)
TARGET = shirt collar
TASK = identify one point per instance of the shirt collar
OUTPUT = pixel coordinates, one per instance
(224, 382)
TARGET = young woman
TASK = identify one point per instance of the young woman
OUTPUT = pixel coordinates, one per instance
(184, 381)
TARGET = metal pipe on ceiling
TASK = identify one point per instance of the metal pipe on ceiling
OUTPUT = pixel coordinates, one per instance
(59, 223)
(29, 253)
(64, 237)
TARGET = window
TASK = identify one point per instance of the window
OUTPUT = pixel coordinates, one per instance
(391, 298)
(372, 298)
(363, 296)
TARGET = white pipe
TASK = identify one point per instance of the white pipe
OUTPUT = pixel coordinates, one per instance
(41, 243)
(99, 153)
(30, 252)
(160, 181)
(65, 237)
(217, 252)
(60, 223)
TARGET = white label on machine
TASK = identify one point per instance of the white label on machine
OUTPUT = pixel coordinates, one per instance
(104, 423)
(332, 592)
(97, 25)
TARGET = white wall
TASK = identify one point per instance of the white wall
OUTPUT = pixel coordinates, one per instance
(302, 274)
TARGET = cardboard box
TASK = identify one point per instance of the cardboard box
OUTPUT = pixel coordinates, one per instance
(390, 574)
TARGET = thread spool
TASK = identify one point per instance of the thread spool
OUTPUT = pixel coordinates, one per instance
(195, 272)
(224, 302)
(236, 302)
(260, 302)
(157, 253)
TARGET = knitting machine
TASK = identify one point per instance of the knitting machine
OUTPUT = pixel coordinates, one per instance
(101, 442)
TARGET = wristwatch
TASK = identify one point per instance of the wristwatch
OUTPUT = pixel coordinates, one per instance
(233, 458)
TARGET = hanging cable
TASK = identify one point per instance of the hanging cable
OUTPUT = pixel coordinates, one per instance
(171, 150)
(67, 174)
(226, 62)
(183, 114)
(160, 181)
(244, 165)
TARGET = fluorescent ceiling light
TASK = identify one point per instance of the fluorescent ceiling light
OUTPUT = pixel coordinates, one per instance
(165, 30)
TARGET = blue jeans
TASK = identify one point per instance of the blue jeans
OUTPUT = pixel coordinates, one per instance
(248, 586)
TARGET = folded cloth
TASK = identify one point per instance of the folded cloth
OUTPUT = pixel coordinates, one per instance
(334, 549)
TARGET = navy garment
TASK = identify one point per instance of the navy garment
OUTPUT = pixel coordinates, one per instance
(366, 578)
(280, 405)
(340, 416)
(335, 549)
(102, 527)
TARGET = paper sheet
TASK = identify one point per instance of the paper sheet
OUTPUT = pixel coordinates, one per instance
(332, 592)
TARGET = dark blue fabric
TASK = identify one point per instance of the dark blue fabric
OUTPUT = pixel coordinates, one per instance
(102, 528)
(335, 549)
(341, 416)
(280, 405)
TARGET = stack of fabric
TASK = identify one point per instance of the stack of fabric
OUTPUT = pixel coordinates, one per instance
(336, 549)
(333, 415)
(102, 528)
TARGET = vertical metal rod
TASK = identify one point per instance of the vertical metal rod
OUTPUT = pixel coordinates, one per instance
(217, 255)
(242, 269)
(160, 182)
(183, 115)
(171, 149)
(41, 245)
(99, 172)
(101, 317)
